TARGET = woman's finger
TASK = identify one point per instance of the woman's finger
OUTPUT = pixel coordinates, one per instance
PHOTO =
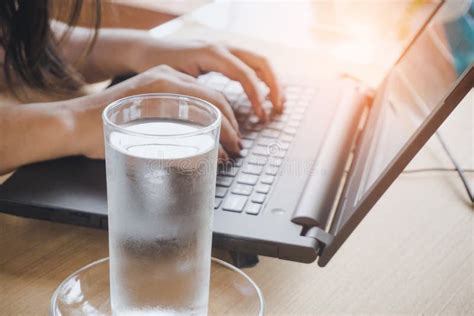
(183, 76)
(229, 138)
(229, 127)
(219, 100)
(265, 72)
(222, 155)
(221, 60)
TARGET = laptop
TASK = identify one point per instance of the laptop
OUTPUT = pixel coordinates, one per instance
(307, 178)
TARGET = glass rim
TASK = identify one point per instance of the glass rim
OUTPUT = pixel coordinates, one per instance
(174, 96)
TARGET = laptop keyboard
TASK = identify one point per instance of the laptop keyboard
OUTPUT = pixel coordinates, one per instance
(244, 183)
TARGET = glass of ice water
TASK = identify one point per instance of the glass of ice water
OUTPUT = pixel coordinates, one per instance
(161, 157)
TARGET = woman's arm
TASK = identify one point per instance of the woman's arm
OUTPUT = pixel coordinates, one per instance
(121, 51)
(35, 132)
(42, 131)
(113, 53)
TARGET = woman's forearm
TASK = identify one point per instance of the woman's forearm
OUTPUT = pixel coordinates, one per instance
(122, 51)
(42, 131)
(34, 132)
(114, 53)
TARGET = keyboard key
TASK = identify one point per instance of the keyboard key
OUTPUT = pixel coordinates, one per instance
(258, 198)
(262, 87)
(217, 203)
(299, 110)
(222, 164)
(253, 119)
(232, 97)
(253, 208)
(247, 143)
(234, 105)
(281, 118)
(204, 79)
(267, 179)
(261, 150)
(228, 170)
(244, 101)
(224, 181)
(297, 116)
(216, 86)
(271, 171)
(242, 189)
(290, 130)
(234, 87)
(291, 101)
(294, 123)
(276, 125)
(253, 127)
(263, 188)
(237, 161)
(304, 103)
(257, 160)
(284, 145)
(220, 192)
(305, 98)
(294, 89)
(274, 161)
(293, 86)
(293, 92)
(265, 141)
(252, 169)
(286, 138)
(244, 152)
(278, 153)
(217, 78)
(249, 135)
(267, 105)
(270, 133)
(234, 203)
(247, 179)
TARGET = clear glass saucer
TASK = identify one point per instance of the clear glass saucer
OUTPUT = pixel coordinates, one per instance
(86, 291)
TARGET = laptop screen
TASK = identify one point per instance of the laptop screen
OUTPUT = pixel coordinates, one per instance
(417, 95)
(417, 83)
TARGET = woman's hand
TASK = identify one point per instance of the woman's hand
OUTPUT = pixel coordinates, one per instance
(119, 51)
(74, 127)
(195, 58)
(157, 79)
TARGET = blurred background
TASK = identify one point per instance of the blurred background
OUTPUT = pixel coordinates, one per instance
(364, 32)
(362, 37)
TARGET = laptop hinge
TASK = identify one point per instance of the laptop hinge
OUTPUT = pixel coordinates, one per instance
(321, 236)
(322, 185)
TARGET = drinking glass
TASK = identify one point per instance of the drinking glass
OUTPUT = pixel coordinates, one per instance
(161, 160)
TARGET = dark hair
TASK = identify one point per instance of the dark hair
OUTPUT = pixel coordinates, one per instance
(31, 49)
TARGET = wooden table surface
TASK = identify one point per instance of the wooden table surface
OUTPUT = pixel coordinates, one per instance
(413, 254)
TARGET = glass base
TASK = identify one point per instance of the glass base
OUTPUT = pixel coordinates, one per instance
(86, 291)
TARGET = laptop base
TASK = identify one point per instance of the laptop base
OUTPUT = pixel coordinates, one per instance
(236, 258)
